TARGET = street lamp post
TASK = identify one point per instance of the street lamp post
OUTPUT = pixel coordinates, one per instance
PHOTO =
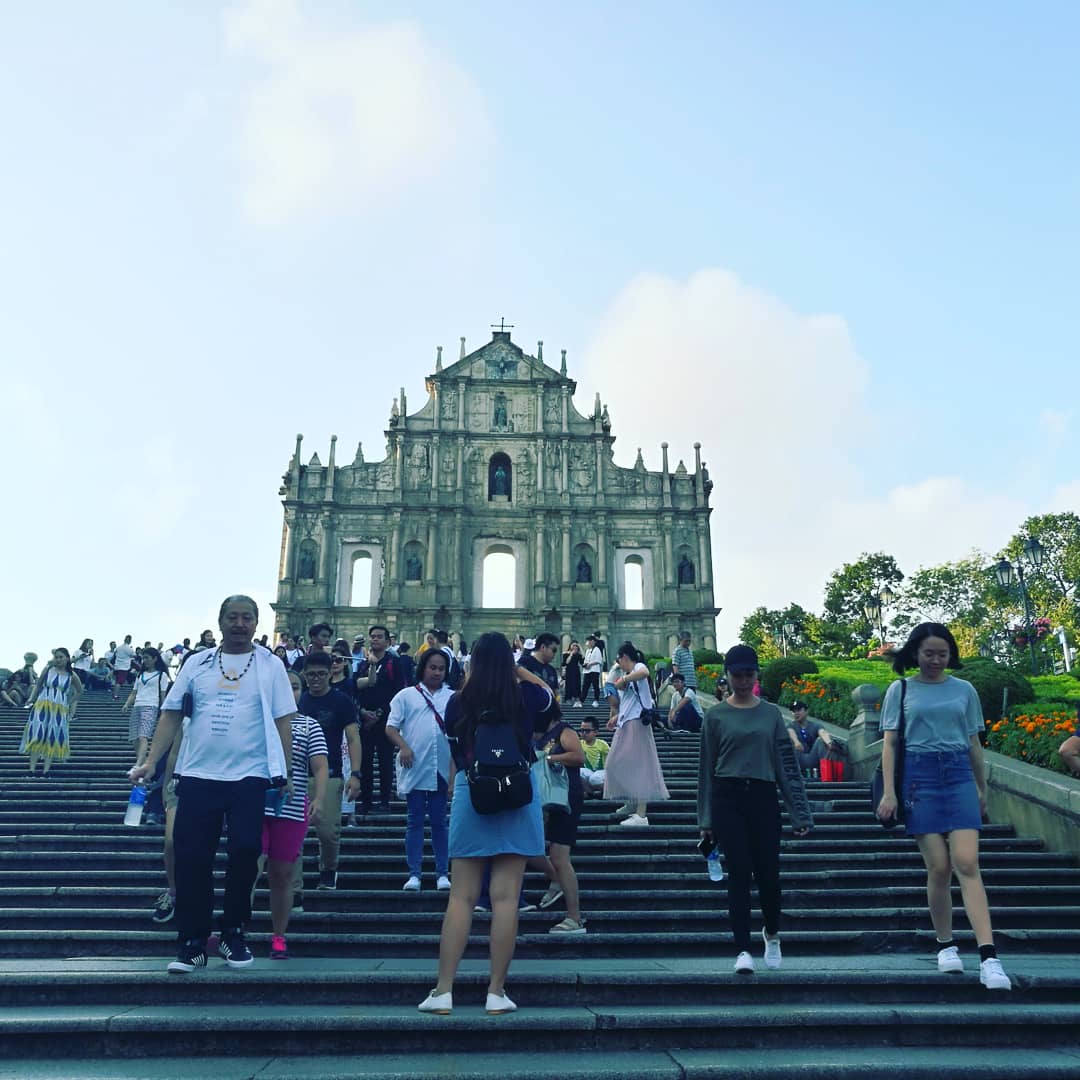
(1009, 573)
(787, 632)
(873, 607)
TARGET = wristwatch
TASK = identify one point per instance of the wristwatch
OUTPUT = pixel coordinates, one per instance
(356, 773)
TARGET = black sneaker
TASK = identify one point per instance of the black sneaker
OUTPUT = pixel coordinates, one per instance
(191, 955)
(164, 909)
(297, 901)
(232, 948)
(327, 879)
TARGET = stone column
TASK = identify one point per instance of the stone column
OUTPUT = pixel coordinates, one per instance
(431, 564)
(328, 488)
(599, 489)
(566, 550)
(460, 469)
(461, 403)
(294, 487)
(399, 464)
(665, 481)
(540, 541)
(435, 466)
(601, 549)
(326, 575)
(703, 557)
(565, 407)
(392, 567)
(437, 404)
(289, 568)
(699, 493)
(565, 466)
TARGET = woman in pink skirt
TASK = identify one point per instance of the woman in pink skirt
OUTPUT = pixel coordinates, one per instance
(632, 771)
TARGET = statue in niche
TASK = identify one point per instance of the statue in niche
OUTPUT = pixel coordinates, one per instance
(306, 567)
(584, 571)
(499, 419)
(499, 483)
(413, 568)
(686, 571)
(551, 410)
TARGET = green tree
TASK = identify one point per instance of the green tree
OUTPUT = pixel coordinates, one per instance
(763, 628)
(1058, 578)
(847, 590)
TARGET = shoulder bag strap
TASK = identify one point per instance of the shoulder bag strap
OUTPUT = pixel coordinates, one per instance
(903, 717)
(431, 706)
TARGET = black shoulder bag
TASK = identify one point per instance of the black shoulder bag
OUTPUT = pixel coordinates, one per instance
(877, 781)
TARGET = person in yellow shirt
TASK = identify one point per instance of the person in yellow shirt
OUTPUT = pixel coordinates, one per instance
(596, 751)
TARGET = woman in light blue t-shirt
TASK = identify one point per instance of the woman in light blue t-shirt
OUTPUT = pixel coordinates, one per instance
(944, 788)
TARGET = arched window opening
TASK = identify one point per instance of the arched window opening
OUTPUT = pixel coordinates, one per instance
(634, 583)
(362, 569)
(500, 571)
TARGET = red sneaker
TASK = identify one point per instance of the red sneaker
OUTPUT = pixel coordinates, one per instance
(278, 948)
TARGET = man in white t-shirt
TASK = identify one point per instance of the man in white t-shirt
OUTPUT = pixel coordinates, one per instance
(237, 708)
(122, 660)
(686, 712)
(592, 665)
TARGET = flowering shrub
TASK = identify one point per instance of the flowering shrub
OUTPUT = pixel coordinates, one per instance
(827, 697)
(1033, 733)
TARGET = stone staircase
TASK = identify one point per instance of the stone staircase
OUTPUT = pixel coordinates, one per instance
(647, 993)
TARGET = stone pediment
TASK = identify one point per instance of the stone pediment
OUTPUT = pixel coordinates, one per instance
(500, 360)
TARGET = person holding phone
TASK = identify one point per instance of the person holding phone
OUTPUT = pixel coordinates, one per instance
(746, 754)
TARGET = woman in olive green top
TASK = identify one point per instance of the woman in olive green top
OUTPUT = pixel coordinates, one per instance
(745, 753)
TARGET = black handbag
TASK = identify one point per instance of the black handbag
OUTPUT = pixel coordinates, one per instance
(877, 781)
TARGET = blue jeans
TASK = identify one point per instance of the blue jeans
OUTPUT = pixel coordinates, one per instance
(432, 805)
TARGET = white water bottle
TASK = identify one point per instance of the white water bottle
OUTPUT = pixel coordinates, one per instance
(136, 803)
(716, 867)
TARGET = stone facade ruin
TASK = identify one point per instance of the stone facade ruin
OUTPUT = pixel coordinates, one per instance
(498, 460)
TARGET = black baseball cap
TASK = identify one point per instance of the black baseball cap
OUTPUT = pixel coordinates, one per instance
(798, 705)
(740, 657)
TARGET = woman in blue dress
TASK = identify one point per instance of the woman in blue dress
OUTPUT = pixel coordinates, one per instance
(505, 839)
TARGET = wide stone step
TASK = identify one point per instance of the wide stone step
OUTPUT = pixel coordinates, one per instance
(875, 938)
(402, 981)
(858, 1063)
(99, 1030)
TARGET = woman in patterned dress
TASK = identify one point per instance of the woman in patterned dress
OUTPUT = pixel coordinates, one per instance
(52, 705)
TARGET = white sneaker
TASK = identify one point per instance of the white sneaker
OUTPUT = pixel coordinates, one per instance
(440, 1004)
(412, 885)
(992, 975)
(442, 884)
(635, 820)
(772, 951)
(948, 960)
(577, 705)
(499, 1003)
(744, 964)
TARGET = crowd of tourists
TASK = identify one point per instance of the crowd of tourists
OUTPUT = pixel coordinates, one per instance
(271, 741)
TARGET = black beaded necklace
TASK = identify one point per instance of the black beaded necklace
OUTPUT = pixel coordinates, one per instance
(234, 678)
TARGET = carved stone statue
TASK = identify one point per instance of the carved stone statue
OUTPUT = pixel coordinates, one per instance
(584, 571)
(306, 568)
(499, 417)
(499, 484)
(686, 571)
(413, 569)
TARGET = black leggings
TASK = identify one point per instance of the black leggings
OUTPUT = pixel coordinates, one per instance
(746, 826)
(591, 681)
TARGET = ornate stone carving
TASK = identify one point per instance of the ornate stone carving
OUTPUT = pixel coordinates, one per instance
(449, 404)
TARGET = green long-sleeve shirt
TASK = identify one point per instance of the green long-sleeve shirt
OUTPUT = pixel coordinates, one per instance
(750, 744)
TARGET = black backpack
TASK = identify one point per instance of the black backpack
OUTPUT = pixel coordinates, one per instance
(454, 673)
(498, 775)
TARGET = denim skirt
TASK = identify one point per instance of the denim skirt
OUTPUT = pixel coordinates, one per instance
(509, 832)
(939, 792)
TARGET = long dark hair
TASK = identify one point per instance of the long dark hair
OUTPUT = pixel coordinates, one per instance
(157, 663)
(490, 693)
(908, 656)
(429, 655)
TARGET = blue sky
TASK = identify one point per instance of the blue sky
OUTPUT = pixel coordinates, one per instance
(836, 243)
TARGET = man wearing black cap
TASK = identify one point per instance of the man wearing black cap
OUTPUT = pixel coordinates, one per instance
(810, 740)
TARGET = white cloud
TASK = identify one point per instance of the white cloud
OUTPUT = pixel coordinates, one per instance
(1055, 425)
(344, 118)
(779, 401)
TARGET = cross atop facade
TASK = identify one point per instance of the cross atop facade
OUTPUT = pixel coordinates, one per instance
(503, 326)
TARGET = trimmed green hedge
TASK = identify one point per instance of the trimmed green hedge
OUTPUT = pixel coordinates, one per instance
(775, 673)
